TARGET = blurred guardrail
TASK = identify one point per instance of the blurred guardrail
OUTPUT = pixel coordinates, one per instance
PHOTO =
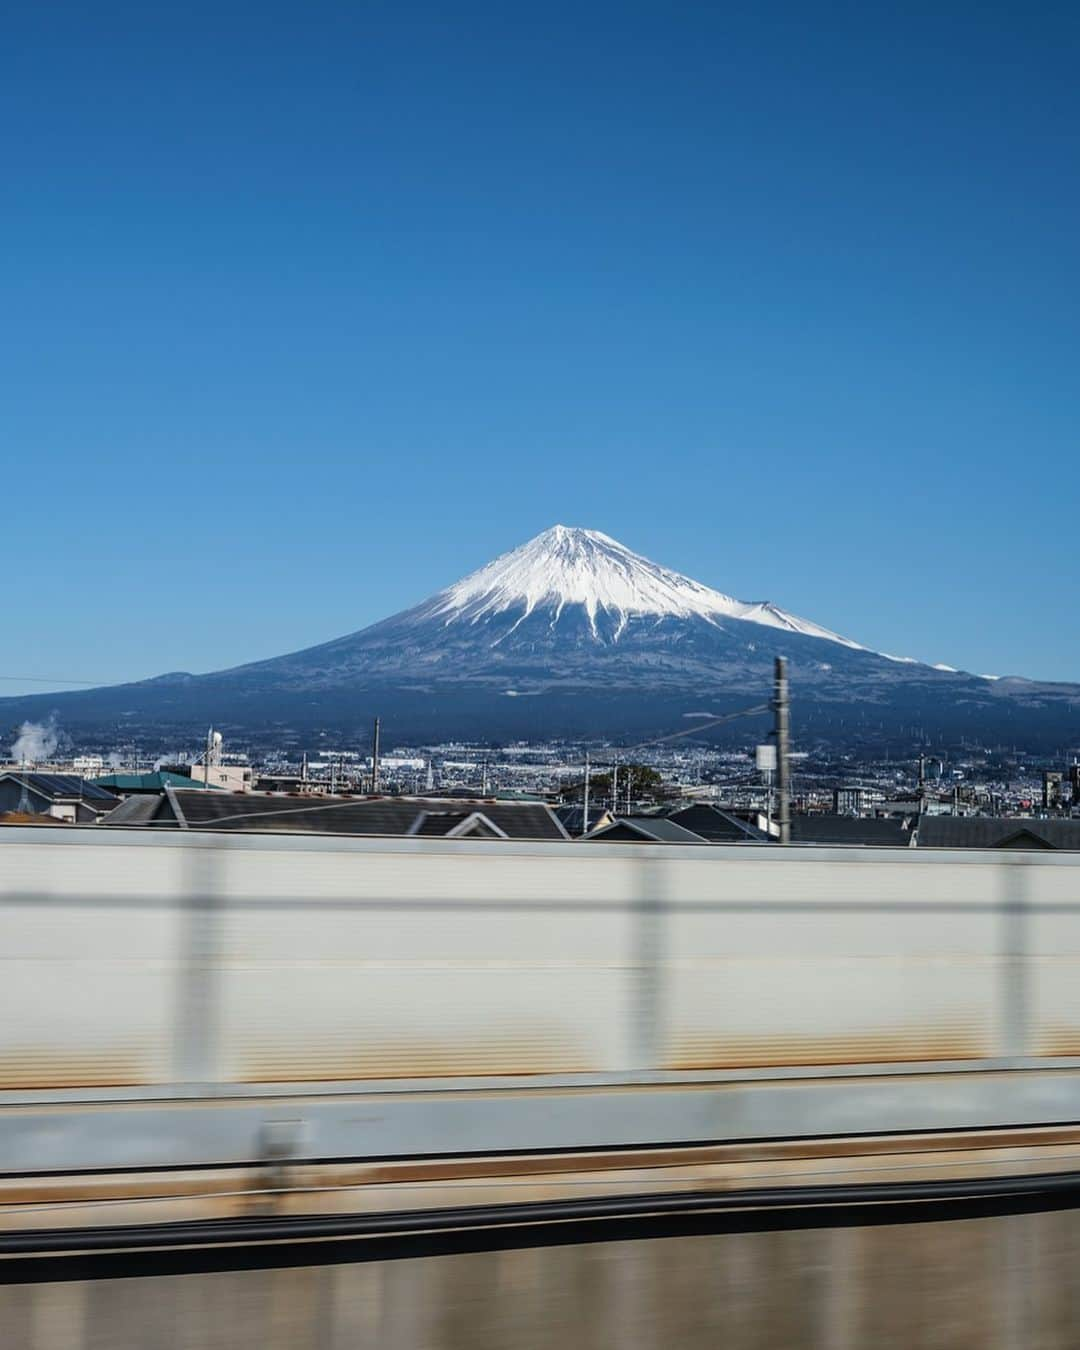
(194, 998)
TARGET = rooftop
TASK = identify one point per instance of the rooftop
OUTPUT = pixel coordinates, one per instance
(256, 812)
(68, 786)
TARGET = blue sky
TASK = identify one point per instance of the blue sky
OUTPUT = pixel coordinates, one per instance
(310, 309)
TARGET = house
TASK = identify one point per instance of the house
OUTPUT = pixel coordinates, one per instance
(643, 830)
(573, 819)
(63, 796)
(853, 800)
(455, 825)
(999, 832)
(715, 825)
(196, 809)
(863, 831)
(136, 784)
(230, 777)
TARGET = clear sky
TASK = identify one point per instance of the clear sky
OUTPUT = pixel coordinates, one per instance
(309, 309)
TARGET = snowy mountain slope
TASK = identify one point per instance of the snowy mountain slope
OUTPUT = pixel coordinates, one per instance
(573, 634)
(566, 566)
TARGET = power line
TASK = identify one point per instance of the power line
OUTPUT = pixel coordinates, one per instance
(702, 725)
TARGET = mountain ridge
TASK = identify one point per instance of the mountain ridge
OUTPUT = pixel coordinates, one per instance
(571, 634)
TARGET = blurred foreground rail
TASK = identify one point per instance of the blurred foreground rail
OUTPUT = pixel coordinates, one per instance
(363, 1057)
(975, 1272)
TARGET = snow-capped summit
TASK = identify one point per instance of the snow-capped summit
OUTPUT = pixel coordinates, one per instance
(566, 566)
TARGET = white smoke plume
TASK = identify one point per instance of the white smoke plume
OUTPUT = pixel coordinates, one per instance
(162, 760)
(36, 741)
(115, 760)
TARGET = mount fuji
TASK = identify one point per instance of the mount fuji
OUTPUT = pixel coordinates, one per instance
(573, 634)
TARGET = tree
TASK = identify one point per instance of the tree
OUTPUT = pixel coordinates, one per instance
(639, 779)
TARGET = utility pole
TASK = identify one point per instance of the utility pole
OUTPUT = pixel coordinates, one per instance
(765, 757)
(782, 710)
(615, 788)
(585, 800)
(768, 802)
(375, 759)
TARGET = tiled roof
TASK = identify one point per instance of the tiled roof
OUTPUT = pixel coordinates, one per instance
(657, 828)
(442, 824)
(998, 832)
(135, 810)
(886, 832)
(573, 817)
(252, 811)
(715, 825)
